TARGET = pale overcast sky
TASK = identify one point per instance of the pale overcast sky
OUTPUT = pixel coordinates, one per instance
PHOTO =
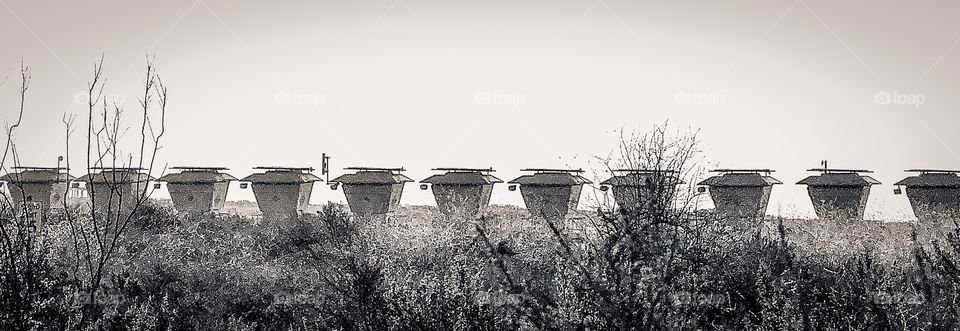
(507, 84)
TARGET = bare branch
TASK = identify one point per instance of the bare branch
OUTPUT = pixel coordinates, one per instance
(25, 78)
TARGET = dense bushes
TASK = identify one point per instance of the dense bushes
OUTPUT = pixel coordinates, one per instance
(420, 271)
(32, 292)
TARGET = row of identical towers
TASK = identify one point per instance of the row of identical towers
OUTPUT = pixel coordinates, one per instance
(283, 192)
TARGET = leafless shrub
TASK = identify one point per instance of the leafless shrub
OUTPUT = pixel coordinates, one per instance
(25, 286)
(627, 275)
(95, 237)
